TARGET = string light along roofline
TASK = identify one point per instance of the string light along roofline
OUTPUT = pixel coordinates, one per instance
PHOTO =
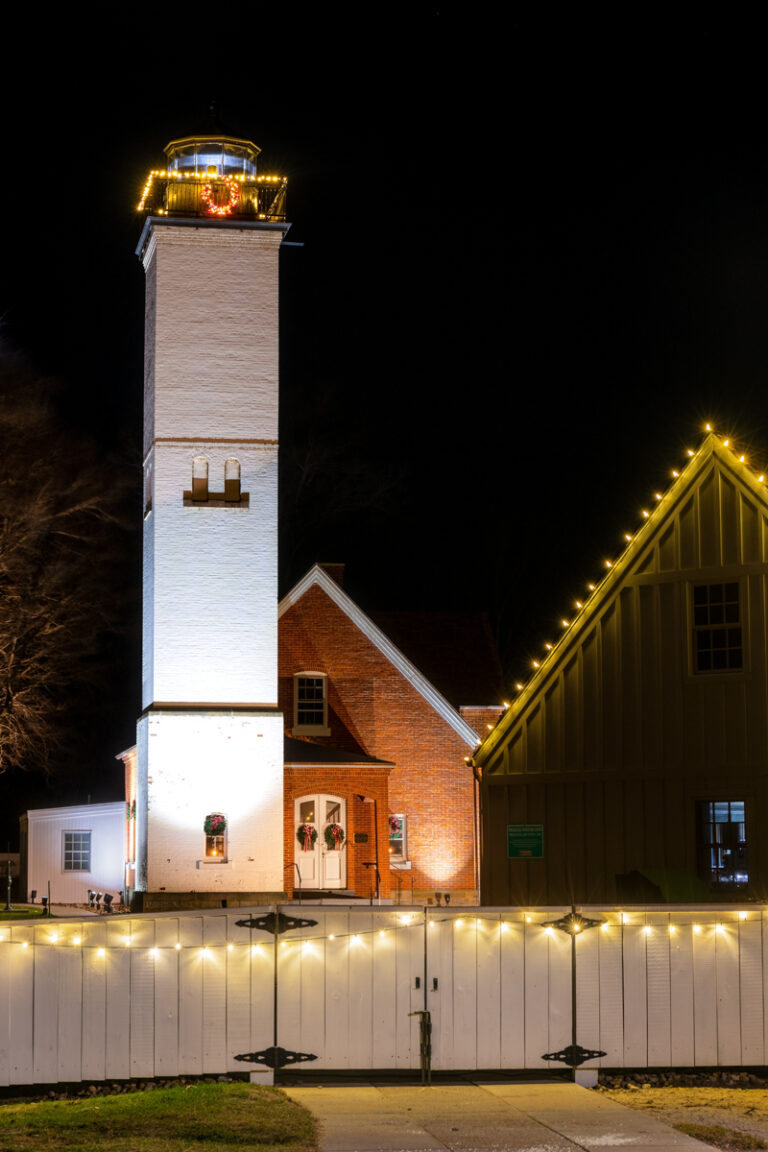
(614, 569)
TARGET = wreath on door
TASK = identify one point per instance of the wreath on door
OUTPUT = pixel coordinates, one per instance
(306, 834)
(334, 836)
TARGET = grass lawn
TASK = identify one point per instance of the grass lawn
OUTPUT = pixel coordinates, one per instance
(22, 912)
(203, 1117)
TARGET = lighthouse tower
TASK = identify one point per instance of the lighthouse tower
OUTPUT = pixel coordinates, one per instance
(210, 736)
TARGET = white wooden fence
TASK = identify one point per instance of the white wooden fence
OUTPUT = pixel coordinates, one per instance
(183, 994)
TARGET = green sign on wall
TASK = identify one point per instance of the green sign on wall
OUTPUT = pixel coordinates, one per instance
(525, 841)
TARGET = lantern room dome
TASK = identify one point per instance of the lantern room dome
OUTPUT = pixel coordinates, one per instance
(212, 155)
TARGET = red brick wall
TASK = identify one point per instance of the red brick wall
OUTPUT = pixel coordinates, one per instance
(310, 780)
(374, 710)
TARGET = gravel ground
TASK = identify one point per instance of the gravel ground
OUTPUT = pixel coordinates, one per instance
(733, 1108)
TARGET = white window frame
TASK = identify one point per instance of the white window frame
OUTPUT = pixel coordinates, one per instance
(400, 861)
(75, 852)
(223, 856)
(310, 729)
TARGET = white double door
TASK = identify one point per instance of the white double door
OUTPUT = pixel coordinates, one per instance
(321, 866)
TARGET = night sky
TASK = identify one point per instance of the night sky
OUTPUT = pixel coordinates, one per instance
(535, 261)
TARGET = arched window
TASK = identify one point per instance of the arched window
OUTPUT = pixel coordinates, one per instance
(232, 480)
(200, 478)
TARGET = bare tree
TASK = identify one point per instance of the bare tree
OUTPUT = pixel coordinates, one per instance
(59, 551)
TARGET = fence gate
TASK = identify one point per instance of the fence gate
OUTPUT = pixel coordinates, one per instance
(345, 987)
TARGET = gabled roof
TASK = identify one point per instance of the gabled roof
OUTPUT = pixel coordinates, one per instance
(635, 560)
(317, 576)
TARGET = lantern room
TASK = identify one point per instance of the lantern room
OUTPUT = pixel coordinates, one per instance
(214, 177)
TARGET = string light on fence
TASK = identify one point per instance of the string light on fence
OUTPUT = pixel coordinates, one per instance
(576, 922)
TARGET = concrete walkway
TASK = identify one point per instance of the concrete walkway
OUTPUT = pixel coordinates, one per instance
(526, 1117)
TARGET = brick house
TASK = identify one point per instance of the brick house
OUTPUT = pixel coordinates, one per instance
(378, 745)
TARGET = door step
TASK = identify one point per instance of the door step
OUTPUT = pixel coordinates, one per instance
(324, 894)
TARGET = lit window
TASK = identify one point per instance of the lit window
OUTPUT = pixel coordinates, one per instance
(723, 844)
(232, 480)
(397, 839)
(77, 851)
(310, 704)
(215, 829)
(199, 478)
(717, 628)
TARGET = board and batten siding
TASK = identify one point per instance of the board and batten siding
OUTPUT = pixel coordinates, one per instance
(617, 736)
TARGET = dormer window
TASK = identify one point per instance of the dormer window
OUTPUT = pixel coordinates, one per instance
(310, 704)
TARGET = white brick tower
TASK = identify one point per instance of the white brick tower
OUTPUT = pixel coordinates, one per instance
(210, 737)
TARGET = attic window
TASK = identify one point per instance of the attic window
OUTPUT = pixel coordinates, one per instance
(310, 704)
(717, 644)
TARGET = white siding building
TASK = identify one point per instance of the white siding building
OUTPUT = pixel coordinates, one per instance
(74, 849)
